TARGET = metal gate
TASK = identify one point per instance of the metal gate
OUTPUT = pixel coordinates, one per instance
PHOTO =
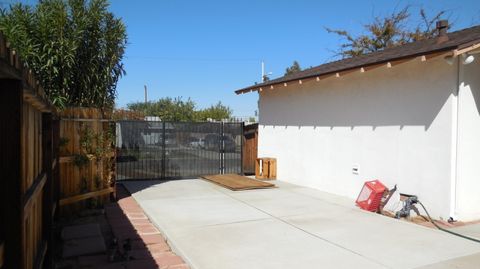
(169, 150)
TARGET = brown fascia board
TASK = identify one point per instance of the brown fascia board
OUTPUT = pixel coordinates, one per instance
(458, 40)
(281, 81)
(468, 44)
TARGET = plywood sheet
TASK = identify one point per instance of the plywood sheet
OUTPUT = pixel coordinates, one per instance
(237, 183)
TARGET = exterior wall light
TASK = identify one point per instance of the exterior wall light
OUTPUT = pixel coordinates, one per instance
(467, 59)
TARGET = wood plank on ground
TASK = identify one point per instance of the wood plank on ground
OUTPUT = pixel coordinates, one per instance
(237, 183)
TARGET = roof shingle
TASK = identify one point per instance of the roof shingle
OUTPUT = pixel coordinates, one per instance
(456, 40)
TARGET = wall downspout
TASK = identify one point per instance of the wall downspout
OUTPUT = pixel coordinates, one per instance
(455, 131)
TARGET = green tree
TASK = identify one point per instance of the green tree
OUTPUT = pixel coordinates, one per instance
(386, 32)
(293, 69)
(74, 47)
(215, 112)
(168, 109)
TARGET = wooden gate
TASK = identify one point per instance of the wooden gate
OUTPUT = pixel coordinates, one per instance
(250, 148)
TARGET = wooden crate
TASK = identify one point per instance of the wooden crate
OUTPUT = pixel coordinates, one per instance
(266, 168)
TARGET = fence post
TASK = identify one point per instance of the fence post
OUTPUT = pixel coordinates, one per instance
(47, 150)
(222, 149)
(241, 146)
(56, 169)
(113, 128)
(163, 151)
(11, 113)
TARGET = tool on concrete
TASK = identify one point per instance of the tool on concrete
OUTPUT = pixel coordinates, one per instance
(390, 201)
(445, 230)
(408, 206)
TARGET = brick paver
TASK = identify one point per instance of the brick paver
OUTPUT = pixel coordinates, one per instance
(149, 249)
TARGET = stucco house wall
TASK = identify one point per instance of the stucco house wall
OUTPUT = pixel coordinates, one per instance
(399, 125)
(467, 182)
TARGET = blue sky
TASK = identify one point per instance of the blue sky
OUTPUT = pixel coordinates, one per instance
(207, 49)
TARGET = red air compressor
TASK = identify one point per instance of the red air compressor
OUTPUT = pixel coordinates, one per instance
(371, 195)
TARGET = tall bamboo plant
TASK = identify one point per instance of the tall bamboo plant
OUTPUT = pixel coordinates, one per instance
(74, 47)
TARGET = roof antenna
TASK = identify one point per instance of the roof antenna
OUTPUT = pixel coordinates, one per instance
(264, 76)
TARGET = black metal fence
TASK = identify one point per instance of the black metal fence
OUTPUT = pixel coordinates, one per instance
(167, 150)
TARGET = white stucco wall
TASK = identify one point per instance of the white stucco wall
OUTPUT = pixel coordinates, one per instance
(394, 123)
(467, 191)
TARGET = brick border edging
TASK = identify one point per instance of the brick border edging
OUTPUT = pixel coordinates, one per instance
(149, 247)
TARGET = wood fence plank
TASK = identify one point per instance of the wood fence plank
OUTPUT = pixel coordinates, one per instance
(85, 196)
(31, 149)
(2, 253)
(33, 193)
(11, 113)
(48, 198)
(76, 180)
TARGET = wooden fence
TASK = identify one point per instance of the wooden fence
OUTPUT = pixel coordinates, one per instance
(31, 185)
(29, 165)
(250, 148)
(87, 158)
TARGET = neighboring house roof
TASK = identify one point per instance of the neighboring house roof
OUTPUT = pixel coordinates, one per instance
(456, 41)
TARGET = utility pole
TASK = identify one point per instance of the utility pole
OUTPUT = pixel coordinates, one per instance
(146, 99)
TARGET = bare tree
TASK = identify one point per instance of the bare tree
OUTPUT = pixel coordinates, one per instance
(386, 32)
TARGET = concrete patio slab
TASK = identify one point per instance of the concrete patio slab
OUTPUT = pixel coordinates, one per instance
(326, 197)
(144, 190)
(472, 230)
(83, 246)
(288, 227)
(266, 244)
(281, 203)
(397, 244)
(198, 211)
(465, 262)
(81, 231)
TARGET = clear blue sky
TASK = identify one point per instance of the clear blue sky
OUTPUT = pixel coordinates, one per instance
(207, 49)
